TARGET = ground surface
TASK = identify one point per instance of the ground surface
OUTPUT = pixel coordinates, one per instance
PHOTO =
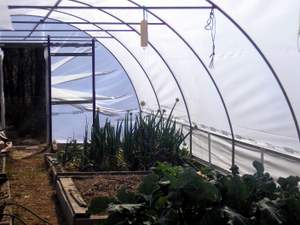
(31, 187)
(106, 185)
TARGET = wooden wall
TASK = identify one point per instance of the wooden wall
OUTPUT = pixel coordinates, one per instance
(24, 72)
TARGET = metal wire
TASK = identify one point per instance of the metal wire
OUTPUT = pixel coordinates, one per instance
(14, 217)
(211, 26)
(28, 210)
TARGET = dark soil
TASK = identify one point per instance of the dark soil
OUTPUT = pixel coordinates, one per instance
(31, 187)
(106, 185)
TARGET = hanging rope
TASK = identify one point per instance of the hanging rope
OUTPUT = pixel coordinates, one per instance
(211, 26)
(145, 13)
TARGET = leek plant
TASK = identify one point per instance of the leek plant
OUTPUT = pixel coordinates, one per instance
(105, 145)
(150, 138)
(128, 143)
(134, 143)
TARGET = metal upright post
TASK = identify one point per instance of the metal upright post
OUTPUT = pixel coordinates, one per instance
(209, 148)
(49, 92)
(233, 153)
(191, 141)
(2, 100)
(262, 157)
(94, 79)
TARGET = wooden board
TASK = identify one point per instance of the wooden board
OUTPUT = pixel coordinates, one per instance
(74, 197)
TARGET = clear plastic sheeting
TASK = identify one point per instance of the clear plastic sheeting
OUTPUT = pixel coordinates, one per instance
(244, 157)
(280, 166)
(72, 83)
(250, 94)
(221, 152)
(77, 120)
(201, 145)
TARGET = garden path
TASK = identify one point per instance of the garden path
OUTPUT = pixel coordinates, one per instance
(31, 187)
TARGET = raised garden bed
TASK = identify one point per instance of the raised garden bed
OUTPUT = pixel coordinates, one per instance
(3, 158)
(106, 185)
(75, 192)
(54, 168)
(129, 148)
(57, 170)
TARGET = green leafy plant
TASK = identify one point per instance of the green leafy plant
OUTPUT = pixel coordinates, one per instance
(179, 196)
(71, 156)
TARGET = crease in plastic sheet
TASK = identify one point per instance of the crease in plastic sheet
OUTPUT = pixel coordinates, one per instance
(73, 77)
(59, 94)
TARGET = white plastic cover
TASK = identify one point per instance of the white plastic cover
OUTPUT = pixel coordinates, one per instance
(176, 65)
(5, 16)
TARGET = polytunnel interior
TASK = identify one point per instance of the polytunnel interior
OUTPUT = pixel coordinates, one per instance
(243, 108)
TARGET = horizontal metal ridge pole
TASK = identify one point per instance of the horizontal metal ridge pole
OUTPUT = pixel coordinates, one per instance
(45, 37)
(39, 41)
(66, 40)
(18, 44)
(62, 39)
(76, 22)
(73, 37)
(105, 7)
(73, 30)
(45, 17)
(66, 102)
(71, 54)
(70, 44)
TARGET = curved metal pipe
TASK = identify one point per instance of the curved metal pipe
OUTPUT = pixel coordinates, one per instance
(160, 56)
(103, 47)
(206, 69)
(134, 57)
(265, 60)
